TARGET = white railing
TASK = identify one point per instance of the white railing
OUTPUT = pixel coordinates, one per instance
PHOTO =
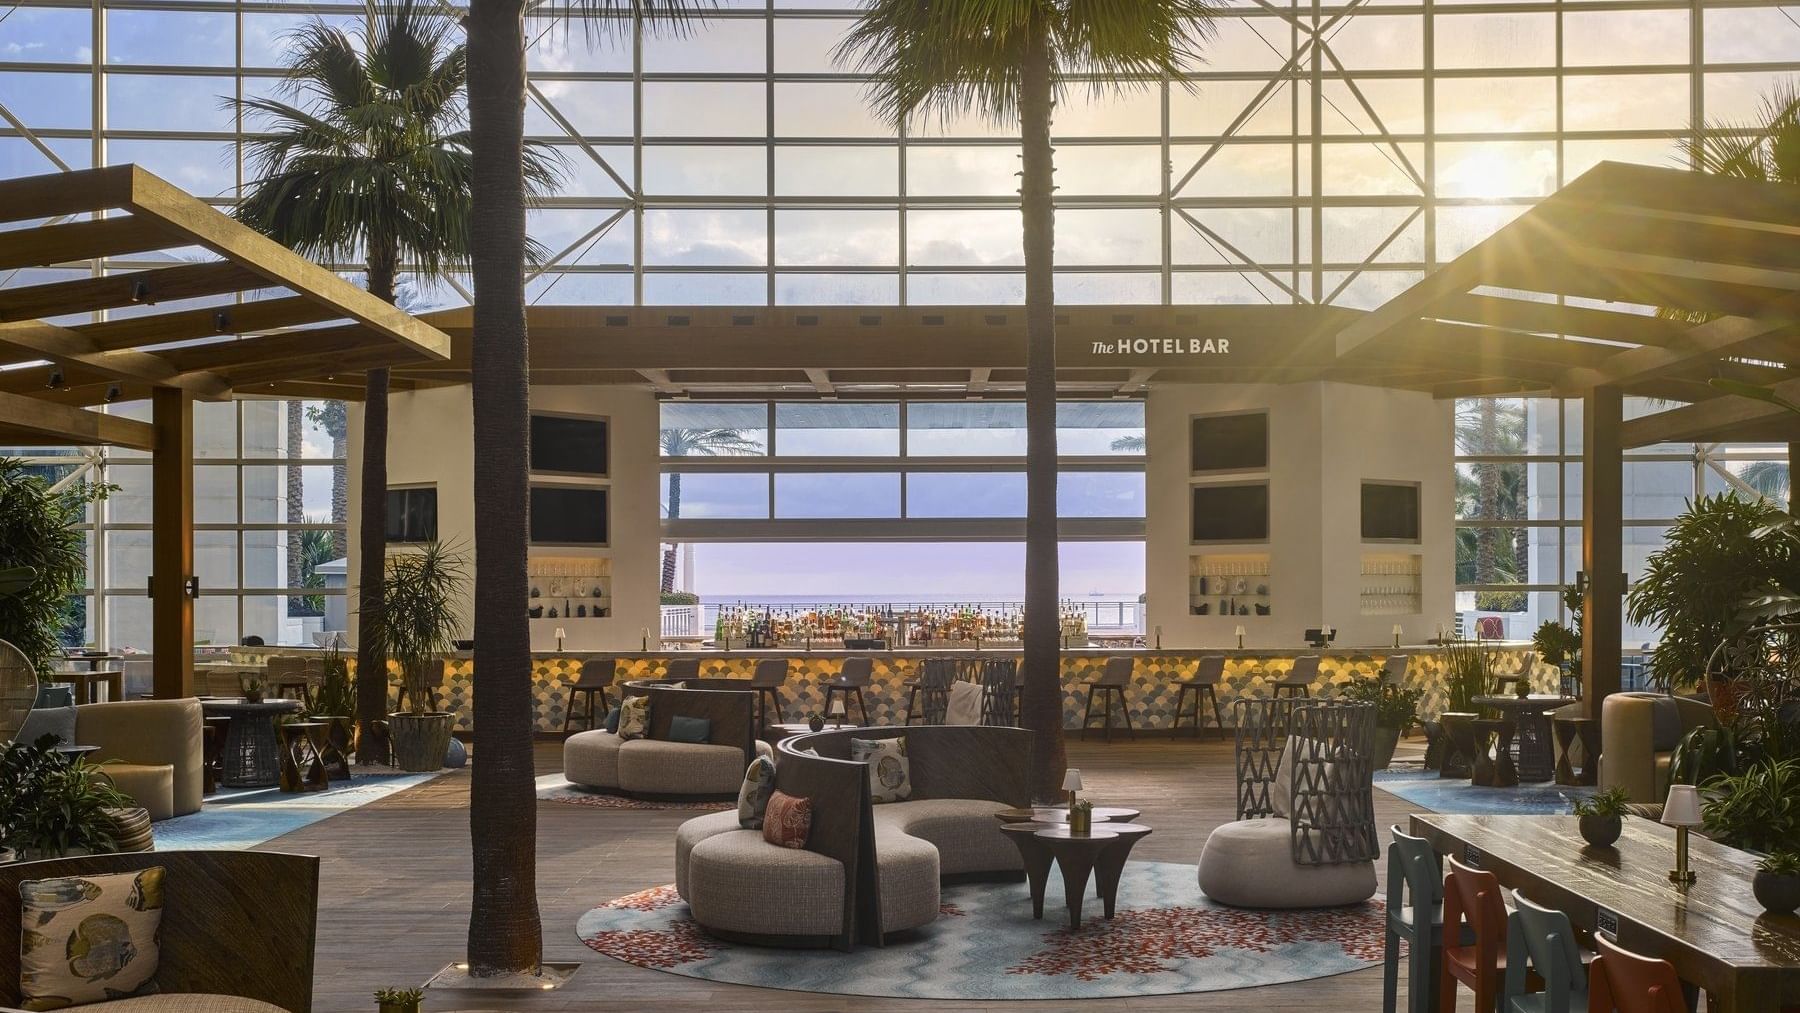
(680, 621)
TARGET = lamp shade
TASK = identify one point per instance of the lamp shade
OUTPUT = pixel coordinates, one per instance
(559, 633)
(1071, 780)
(1682, 809)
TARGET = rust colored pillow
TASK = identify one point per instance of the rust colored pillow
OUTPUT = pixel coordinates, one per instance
(787, 822)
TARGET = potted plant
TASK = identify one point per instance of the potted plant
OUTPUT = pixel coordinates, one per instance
(43, 554)
(1757, 810)
(1468, 673)
(1603, 816)
(1777, 882)
(417, 625)
(1081, 817)
(334, 701)
(252, 687)
(53, 806)
(815, 721)
(1396, 708)
(399, 1000)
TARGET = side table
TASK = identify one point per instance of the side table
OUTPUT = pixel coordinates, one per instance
(1568, 732)
(302, 763)
(1494, 769)
(1100, 854)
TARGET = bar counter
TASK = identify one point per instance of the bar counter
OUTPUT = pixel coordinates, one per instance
(1151, 695)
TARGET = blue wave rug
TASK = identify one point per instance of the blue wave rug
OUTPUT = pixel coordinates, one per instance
(1167, 938)
(1425, 789)
(235, 819)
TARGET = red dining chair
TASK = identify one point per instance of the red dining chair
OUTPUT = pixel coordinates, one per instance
(1473, 906)
(1623, 981)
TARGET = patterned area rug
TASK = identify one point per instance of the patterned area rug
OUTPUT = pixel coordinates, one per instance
(556, 788)
(1166, 939)
(238, 818)
(1456, 795)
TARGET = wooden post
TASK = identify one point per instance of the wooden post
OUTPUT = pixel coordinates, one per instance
(172, 542)
(1602, 544)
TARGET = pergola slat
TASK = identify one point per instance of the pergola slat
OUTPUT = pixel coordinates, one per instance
(75, 241)
(49, 340)
(162, 284)
(61, 423)
(208, 321)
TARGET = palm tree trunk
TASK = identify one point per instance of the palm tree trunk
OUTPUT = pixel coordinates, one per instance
(371, 660)
(1488, 502)
(668, 560)
(1043, 704)
(505, 932)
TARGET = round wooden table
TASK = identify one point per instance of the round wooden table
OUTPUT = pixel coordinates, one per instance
(1060, 814)
(1530, 716)
(251, 757)
(1099, 854)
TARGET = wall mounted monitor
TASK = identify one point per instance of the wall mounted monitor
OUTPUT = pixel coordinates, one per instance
(1231, 513)
(1390, 511)
(567, 445)
(412, 515)
(1237, 442)
(561, 515)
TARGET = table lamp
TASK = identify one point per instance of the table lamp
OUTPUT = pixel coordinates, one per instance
(1682, 810)
(559, 638)
(1072, 783)
(1397, 633)
(837, 710)
(1240, 636)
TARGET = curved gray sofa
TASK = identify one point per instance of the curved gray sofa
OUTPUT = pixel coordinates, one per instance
(653, 767)
(868, 870)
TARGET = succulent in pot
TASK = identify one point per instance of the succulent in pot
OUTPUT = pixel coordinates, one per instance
(1777, 882)
(399, 1000)
(1603, 817)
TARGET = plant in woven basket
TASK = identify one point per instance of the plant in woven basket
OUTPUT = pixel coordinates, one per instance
(420, 616)
(69, 811)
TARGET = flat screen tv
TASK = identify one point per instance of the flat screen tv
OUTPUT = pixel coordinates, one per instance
(565, 516)
(1390, 512)
(1231, 442)
(568, 446)
(1231, 513)
(412, 515)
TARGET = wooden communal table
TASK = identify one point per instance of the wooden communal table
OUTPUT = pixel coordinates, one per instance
(1714, 932)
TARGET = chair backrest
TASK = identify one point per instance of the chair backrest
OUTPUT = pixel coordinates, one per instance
(1394, 672)
(596, 672)
(284, 665)
(1472, 897)
(1305, 670)
(1624, 981)
(999, 680)
(938, 673)
(1415, 876)
(858, 671)
(1210, 670)
(1117, 671)
(1547, 937)
(682, 668)
(770, 672)
(314, 668)
(251, 641)
(1310, 761)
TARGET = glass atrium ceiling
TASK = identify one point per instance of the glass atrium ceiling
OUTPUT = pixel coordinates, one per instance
(1330, 154)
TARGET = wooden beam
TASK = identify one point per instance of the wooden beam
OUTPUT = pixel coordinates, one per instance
(79, 426)
(1706, 420)
(76, 241)
(821, 381)
(1554, 318)
(162, 284)
(249, 374)
(172, 543)
(317, 348)
(57, 194)
(1720, 336)
(53, 342)
(1602, 544)
(210, 321)
(1683, 196)
(1496, 387)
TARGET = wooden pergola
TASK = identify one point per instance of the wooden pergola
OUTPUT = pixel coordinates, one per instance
(210, 310)
(1631, 280)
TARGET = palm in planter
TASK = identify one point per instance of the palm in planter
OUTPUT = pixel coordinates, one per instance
(418, 624)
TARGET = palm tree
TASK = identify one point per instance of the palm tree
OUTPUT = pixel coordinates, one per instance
(505, 934)
(1007, 61)
(1771, 479)
(695, 443)
(365, 152)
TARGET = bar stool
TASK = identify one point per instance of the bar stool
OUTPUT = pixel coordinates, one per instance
(681, 669)
(596, 675)
(285, 674)
(1206, 677)
(1415, 913)
(933, 685)
(1621, 980)
(771, 674)
(1542, 940)
(1000, 690)
(1113, 680)
(1510, 683)
(434, 677)
(1299, 679)
(1472, 902)
(856, 673)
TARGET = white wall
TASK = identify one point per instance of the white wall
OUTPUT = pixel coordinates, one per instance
(1324, 439)
(430, 441)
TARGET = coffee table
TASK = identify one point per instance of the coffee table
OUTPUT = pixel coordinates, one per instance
(1100, 854)
(250, 758)
(1060, 814)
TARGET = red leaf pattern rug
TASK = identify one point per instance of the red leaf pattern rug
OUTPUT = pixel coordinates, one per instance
(1167, 938)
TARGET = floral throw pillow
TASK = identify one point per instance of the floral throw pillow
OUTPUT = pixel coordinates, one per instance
(890, 773)
(634, 718)
(787, 822)
(753, 797)
(89, 938)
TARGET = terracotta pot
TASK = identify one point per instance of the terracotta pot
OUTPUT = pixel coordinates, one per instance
(420, 740)
(1777, 894)
(1601, 831)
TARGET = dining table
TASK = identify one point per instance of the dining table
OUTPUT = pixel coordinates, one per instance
(1714, 932)
(1530, 716)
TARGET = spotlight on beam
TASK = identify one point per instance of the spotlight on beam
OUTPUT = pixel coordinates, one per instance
(222, 322)
(140, 292)
(56, 379)
(113, 393)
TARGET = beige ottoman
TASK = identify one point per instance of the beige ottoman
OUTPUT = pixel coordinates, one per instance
(1250, 864)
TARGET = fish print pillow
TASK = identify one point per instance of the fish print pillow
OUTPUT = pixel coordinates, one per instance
(89, 939)
(890, 772)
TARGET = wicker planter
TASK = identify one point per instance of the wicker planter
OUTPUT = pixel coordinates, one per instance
(420, 740)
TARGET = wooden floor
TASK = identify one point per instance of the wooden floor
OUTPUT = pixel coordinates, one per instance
(394, 893)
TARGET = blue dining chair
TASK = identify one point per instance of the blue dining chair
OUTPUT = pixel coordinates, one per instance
(1542, 939)
(1415, 913)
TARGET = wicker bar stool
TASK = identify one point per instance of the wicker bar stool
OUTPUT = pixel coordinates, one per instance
(1207, 675)
(1000, 692)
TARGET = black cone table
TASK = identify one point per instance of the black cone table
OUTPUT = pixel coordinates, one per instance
(1099, 855)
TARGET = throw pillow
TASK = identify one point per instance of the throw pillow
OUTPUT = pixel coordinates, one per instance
(753, 797)
(685, 729)
(89, 938)
(787, 822)
(964, 706)
(890, 773)
(612, 721)
(634, 718)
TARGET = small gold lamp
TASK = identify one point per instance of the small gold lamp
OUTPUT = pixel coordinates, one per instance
(1682, 811)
